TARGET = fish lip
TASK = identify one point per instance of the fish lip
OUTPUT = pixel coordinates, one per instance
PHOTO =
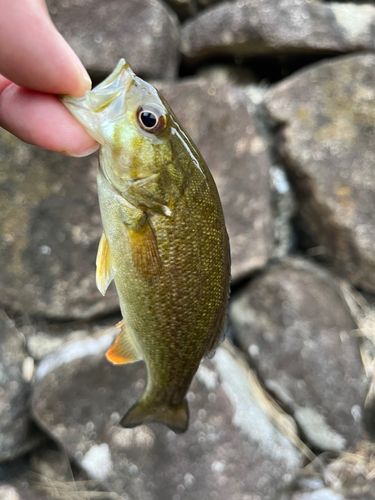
(105, 102)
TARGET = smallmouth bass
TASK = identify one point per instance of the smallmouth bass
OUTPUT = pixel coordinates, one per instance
(164, 241)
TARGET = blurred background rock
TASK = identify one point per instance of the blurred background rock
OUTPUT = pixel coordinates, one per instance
(279, 96)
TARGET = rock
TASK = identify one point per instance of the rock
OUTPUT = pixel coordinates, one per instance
(44, 474)
(231, 449)
(208, 3)
(17, 433)
(42, 344)
(283, 208)
(49, 233)
(327, 118)
(144, 32)
(45, 337)
(226, 74)
(297, 329)
(346, 477)
(7, 492)
(223, 123)
(183, 8)
(256, 27)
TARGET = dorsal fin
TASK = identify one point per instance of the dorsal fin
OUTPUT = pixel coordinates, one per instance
(104, 269)
(123, 350)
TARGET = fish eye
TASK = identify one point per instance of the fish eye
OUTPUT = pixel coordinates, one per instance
(151, 119)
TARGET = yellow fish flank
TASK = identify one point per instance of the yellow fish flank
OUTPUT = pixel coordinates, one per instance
(164, 241)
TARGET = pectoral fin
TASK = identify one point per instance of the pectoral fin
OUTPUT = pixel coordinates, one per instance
(145, 250)
(123, 350)
(104, 269)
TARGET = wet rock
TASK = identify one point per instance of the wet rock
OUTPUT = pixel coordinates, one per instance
(230, 450)
(297, 329)
(254, 27)
(327, 117)
(223, 123)
(144, 32)
(17, 433)
(49, 232)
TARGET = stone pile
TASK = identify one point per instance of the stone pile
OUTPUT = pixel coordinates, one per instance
(293, 159)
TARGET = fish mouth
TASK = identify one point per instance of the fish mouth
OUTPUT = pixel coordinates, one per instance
(104, 103)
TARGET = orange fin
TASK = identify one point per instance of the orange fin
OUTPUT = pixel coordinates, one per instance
(104, 269)
(145, 251)
(123, 350)
(145, 411)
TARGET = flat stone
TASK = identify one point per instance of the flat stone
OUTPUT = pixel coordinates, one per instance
(144, 32)
(49, 233)
(256, 27)
(294, 323)
(231, 449)
(17, 433)
(223, 123)
(327, 118)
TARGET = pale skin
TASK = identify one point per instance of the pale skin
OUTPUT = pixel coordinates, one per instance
(36, 63)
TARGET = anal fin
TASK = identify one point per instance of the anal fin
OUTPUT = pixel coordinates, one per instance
(123, 350)
(104, 269)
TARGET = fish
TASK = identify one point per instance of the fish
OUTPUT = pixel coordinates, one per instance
(164, 241)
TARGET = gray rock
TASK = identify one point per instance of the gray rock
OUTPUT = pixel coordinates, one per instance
(348, 476)
(144, 32)
(253, 27)
(283, 209)
(328, 124)
(183, 8)
(208, 3)
(44, 474)
(323, 494)
(8, 492)
(223, 123)
(17, 433)
(230, 450)
(49, 232)
(297, 329)
(226, 74)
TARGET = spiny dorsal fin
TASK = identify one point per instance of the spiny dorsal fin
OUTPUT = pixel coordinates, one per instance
(123, 350)
(104, 269)
(145, 251)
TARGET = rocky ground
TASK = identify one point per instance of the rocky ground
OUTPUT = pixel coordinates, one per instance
(279, 97)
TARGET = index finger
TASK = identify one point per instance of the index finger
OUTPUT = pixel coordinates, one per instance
(34, 55)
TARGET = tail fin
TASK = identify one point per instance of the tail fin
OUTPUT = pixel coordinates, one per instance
(175, 417)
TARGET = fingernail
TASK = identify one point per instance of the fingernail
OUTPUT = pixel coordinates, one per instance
(84, 153)
(84, 77)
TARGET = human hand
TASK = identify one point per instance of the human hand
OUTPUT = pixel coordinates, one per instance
(35, 63)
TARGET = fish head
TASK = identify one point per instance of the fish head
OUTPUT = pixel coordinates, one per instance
(133, 124)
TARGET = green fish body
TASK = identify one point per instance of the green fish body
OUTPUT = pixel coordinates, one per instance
(164, 241)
